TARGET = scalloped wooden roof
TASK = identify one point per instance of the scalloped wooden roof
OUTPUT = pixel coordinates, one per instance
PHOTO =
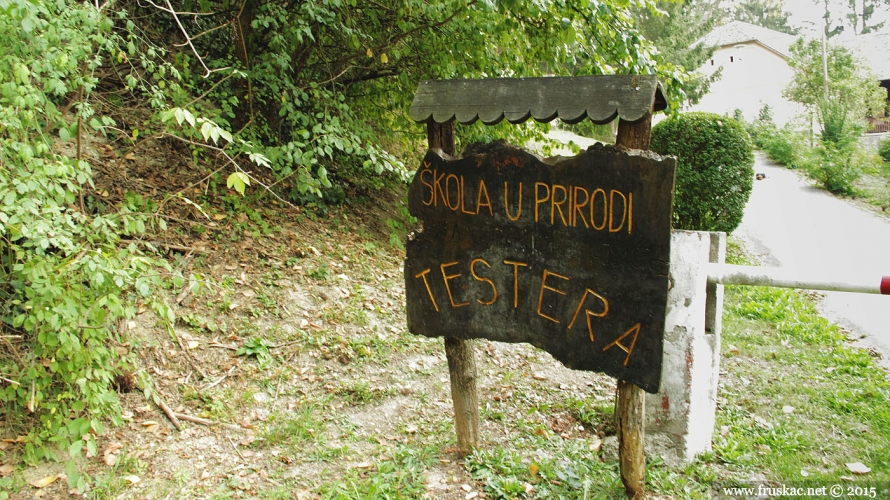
(601, 98)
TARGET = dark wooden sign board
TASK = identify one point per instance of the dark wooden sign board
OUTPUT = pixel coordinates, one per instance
(630, 98)
(571, 257)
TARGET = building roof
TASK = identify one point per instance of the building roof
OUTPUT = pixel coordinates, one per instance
(872, 48)
(737, 32)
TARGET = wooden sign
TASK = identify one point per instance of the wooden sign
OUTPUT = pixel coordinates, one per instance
(571, 257)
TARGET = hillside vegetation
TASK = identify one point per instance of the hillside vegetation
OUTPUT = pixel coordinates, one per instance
(202, 216)
(129, 131)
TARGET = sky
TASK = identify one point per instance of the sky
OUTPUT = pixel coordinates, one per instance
(807, 14)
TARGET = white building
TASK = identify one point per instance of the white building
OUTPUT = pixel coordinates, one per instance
(755, 71)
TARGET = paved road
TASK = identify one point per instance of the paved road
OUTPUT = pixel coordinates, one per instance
(792, 224)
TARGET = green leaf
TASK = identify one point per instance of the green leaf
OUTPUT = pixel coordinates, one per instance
(206, 129)
(225, 134)
(237, 181)
(74, 449)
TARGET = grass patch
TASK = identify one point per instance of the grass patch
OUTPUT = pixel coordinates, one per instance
(542, 467)
(295, 427)
(398, 476)
(798, 403)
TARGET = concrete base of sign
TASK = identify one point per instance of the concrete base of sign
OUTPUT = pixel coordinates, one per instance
(680, 418)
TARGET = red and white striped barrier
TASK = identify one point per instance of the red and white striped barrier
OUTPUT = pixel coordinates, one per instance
(728, 274)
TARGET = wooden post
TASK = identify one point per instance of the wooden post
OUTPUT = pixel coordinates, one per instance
(631, 430)
(461, 363)
(462, 372)
(440, 135)
(632, 399)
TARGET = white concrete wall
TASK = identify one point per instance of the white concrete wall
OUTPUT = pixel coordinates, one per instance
(680, 418)
(752, 77)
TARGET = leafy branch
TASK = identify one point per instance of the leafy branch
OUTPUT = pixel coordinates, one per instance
(170, 10)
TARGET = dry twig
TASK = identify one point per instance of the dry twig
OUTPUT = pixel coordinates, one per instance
(170, 414)
(209, 423)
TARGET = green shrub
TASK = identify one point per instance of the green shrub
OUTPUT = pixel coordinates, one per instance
(714, 171)
(785, 147)
(760, 133)
(884, 150)
(762, 128)
(68, 277)
(835, 167)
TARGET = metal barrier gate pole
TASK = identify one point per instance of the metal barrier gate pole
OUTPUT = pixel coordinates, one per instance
(680, 419)
(727, 274)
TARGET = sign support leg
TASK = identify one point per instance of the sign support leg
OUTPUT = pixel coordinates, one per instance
(462, 372)
(631, 399)
(461, 363)
(631, 430)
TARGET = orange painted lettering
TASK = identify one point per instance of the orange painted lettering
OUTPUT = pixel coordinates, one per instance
(507, 203)
(463, 195)
(515, 280)
(612, 193)
(578, 206)
(437, 187)
(605, 210)
(479, 204)
(630, 212)
(429, 185)
(636, 331)
(538, 199)
(557, 205)
(447, 277)
(545, 287)
(427, 283)
(494, 290)
(588, 312)
(448, 192)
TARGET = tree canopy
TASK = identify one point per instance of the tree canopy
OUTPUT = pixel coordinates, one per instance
(849, 86)
(767, 13)
(325, 83)
(840, 101)
(306, 98)
(858, 17)
(675, 27)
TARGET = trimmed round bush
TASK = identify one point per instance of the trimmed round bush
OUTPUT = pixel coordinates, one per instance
(715, 169)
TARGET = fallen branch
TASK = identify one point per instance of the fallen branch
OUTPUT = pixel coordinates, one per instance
(188, 354)
(222, 346)
(235, 448)
(209, 423)
(170, 414)
(186, 291)
(214, 384)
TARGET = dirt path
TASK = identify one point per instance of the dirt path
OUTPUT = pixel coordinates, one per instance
(793, 224)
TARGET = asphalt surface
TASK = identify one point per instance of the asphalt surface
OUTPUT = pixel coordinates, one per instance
(790, 223)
